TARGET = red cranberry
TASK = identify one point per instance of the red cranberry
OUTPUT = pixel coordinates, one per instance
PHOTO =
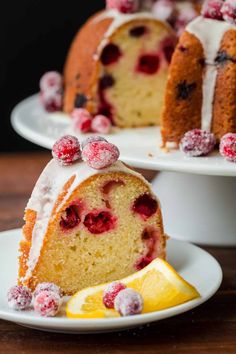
(101, 124)
(92, 139)
(66, 150)
(212, 9)
(197, 142)
(145, 205)
(128, 302)
(143, 262)
(100, 154)
(51, 81)
(51, 100)
(47, 303)
(71, 219)
(81, 120)
(228, 147)
(138, 31)
(110, 54)
(19, 298)
(124, 6)
(110, 293)
(99, 222)
(228, 11)
(148, 64)
(106, 82)
(48, 287)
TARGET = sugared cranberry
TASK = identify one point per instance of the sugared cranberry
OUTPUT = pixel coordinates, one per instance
(184, 17)
(47, 303)
(106, 82)
(138, 31)
(110, 54)
(19, 298)
(212, 9)
(100, 154)
(185, 89)
(92, 139)
(110, 293)
(81, 120)
(71, 218)
(143, 262)
(101, 124)
(145, 205)
(148, 64)
(51, 100)
(124, 6)
(164, 10)
(197, 142)
(128, 302)
(48, 287)
(66, 150)
(228, 11)
(99, 222)
(51, 81)
(228, 147)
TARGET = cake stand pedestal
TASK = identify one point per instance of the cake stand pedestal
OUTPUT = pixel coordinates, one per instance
(198, 195)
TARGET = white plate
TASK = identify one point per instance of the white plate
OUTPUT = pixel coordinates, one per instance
(195, 265)
(139, 147)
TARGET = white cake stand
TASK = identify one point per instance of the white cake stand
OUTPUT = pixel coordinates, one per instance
(198, 195)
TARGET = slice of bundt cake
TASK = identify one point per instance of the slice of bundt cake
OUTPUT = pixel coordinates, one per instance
(201, 88)
(117, 66)
(85, 226)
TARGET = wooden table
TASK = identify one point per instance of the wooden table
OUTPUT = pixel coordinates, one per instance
(211, 328)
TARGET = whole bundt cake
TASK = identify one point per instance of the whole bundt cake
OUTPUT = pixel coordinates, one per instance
(201, 88)
(117, 66)
(86, 226)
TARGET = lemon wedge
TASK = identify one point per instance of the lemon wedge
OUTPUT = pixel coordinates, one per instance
(159, 284)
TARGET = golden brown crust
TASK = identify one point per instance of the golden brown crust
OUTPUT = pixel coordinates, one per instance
(81, 70)
(224, 109)
(182, 111)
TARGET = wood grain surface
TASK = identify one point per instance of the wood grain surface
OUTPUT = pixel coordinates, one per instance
(211, 328)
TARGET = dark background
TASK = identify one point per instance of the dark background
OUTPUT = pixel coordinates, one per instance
(34, 37)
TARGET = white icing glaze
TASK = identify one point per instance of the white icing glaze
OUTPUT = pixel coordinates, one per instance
(45, 194)
(210, 33)
(119, 19)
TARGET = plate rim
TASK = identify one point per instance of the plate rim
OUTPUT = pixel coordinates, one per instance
(118, 323)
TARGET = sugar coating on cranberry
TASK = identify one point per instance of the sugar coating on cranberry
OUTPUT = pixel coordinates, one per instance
(145, 205)
(81, 120)
(51, 100)
(51, 81)
(128, 302)
(100, 154)
(212, 9)
(148, 64)
(164, 9)
(228, 11)
(66, 150)
(47, 303)
(19, 298)
(48, 287)
(124, 6)
(92, 139)
(70, 218)
(99, 222)
(197, 142)
(110, 54)
(228, 147)
(101, 124)
(110, 293)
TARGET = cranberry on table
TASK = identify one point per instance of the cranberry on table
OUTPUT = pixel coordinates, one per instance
(100, 154)
(66, 150)
(48, 287)
(212, 9)
(228, 147)
(110, 293)
(101, 124)
(19, 298)
(124, 6)
(47, 303)
(197, 142)
(128, 302)
(228, 11)
(81, 120)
